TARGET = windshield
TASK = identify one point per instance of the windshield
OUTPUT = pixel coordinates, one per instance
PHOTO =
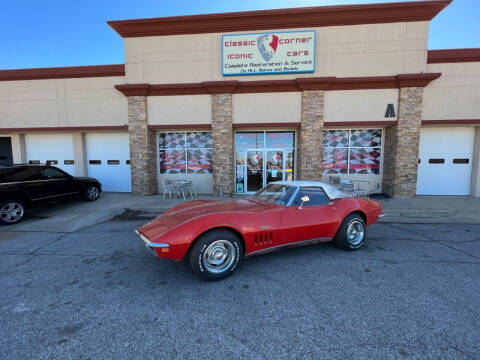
(275, 194)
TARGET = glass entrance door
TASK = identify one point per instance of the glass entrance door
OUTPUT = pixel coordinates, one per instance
(274, 169)
(254, 169)
(263, 167)
(262, 157)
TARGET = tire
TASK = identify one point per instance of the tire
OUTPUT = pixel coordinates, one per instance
(352, 233)
(215, 255)
(91, 193)
(11, 212)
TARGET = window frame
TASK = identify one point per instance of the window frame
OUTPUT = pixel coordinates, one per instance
(185, 150)
(348, 148)
(298, 193)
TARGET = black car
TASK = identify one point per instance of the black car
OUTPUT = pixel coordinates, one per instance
(24, 186)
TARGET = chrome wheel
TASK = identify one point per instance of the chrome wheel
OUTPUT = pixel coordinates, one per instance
(219, 256)
(355, 232)
(92, 193)
(11, 212)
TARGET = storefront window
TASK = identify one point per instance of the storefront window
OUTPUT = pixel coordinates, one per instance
(281, 139)
(249, 140)
(185, 153)
(351, 151)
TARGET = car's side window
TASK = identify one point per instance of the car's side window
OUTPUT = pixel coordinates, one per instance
(21, 174)
(52, 173)
(317, 197)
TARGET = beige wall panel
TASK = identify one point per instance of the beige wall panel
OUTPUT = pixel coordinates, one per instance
(133, 73)
(4, 112)
(174, 71)
(27, 85)
(451, 103)
(132, 45)
(172, 110)
(133, 58)
(94, 83)
(40, 113)
(92, 94)
(32, 95)
(358, 50)
(359, 105)
(415, 61)
(455, 69)
(455, 95)
(267, 107)
(95, 112)
(62, 102)
(417, 30)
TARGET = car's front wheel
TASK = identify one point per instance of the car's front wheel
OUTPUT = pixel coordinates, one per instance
(215, 254)
(352, 233)
(91, 193)
(11, 212)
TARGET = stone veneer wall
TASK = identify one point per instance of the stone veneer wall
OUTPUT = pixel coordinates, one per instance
(143, 152)
(222, 137)
(309, 147)
(401, 146)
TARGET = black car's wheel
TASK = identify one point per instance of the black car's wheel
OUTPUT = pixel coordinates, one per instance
(215, 254)
(352, 233)
(11, 212)
(91, 193)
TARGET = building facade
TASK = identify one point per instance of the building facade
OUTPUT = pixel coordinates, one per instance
(233, 101)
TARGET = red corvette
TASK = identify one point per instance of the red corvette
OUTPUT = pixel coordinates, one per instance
(215, 235)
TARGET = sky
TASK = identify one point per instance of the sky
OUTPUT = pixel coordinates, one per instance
(50, 33)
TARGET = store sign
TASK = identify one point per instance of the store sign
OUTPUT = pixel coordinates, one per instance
(268, 53)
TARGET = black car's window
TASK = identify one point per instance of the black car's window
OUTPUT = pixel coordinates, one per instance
(52, 173)
(317, 197)
(21, 174)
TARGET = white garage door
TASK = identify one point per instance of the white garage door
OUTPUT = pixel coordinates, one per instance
(446, 156)
(56, 149)
(108, 160)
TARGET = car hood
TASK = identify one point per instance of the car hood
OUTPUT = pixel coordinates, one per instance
(194, 209)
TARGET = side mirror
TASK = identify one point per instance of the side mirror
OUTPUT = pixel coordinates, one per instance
(304, 199)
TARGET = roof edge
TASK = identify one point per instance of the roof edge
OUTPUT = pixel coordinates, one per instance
(453, 56)
(318, 16)
(280, 85)
(63, 72)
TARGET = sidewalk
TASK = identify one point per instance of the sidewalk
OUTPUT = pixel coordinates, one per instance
(432, 209)
(72, 216)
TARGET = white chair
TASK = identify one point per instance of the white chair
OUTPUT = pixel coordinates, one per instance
(171, 187)
(348, 187)
(336, 182)
(187, 187)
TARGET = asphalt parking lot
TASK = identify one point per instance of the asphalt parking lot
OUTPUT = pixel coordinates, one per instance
(413, 292)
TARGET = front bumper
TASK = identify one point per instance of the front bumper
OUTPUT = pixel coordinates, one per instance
(163, 247)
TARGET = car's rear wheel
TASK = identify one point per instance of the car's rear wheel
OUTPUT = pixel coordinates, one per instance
(352, 233)
(215, 254)
(11, 212)
(91, 193)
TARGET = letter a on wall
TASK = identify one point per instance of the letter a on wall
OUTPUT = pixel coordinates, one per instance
(390, 113)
